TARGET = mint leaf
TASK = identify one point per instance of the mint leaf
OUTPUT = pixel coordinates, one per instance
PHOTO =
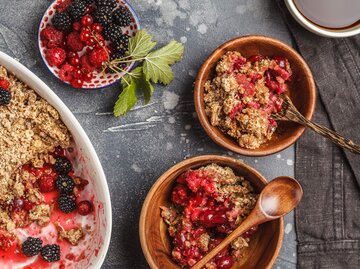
(141, 44)
(127, 99)
(157, 64)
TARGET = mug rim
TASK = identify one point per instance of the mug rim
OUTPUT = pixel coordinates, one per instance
(306, 23)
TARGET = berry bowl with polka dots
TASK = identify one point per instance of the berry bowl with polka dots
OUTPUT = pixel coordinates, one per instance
(78, 39)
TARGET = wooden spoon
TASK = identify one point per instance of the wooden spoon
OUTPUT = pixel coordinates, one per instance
(277, 199)
(290, 113)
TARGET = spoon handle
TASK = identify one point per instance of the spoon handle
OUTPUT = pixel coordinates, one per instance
(336, 138)
(255, 218)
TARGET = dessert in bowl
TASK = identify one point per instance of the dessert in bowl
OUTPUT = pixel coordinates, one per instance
(54, 200)
(239, 87)
(79, 39)
(192, 207)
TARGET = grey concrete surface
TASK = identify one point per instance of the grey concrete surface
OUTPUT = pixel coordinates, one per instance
(135, 150)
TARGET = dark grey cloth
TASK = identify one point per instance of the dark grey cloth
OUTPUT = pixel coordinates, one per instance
(328, 218)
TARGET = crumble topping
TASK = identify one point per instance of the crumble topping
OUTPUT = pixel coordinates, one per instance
(29, 127)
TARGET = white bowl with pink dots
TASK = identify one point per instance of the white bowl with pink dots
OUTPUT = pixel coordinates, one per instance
(100, 79)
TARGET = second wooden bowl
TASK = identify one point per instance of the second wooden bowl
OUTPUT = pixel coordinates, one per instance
(302, 92)
(264, 246)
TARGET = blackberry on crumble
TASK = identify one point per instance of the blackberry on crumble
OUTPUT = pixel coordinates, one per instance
(103, 15)
(77, 10)
(31, 246)
(122, 17)
(61, 21)
(5, 97)
(51, 253)
(66, 203)
(62, 165)
(112, 32)
(65, 184)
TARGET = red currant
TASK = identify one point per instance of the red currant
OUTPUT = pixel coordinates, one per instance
(85, 207)
(87, 76)
(77, 82)
(97, 27)
(87, 20)
(77, 73)
(85, 34)
(75, 60)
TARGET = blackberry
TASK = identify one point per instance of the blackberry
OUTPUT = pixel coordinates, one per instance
(106, 3)
(122, 17)
(5, 97)
(88, 2)
(121, 44)
(112, 32)
(31, 246)
(51, 253)
(62, 165)
(103, 15)
(77, 10)
(66, 203)
(65, 184)
(61, 21)
(114, 56)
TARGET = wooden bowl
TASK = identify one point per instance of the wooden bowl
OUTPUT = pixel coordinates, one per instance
(155, 242)
(302, 92)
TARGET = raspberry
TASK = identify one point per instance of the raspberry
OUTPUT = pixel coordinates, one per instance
(87, 76)
(65, 184)
(5, 242)
(55, 56)
(46, 183)
(31, 246)
(51, 253)
(85, 63)
(73, 41)
(5, 84)
(65, 73)
(98, 56)
(85, 207)
(52, 35)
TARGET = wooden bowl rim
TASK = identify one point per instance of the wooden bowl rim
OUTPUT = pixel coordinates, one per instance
(219, 139)
(177, 167)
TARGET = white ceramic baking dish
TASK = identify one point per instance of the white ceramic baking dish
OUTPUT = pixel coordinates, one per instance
(88, 163)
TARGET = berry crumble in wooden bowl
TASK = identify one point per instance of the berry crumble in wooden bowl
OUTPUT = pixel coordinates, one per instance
(239, 87)
(192, 207)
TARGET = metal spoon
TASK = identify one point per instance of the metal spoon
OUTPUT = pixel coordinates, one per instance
(278, 198)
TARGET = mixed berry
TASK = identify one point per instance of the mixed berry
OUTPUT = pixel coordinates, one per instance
(84, 36)
(56, 182)
(5, 95)
(207, 204)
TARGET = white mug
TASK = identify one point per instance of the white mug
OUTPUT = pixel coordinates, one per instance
(317, 29)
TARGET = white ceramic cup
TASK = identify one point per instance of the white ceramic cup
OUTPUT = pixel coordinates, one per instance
(300, 18)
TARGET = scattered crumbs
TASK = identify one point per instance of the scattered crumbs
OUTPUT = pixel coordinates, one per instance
(288, 228)
(187, 127)
(194, 115)
(255, 161)
(187, 141)
(169, 146)
(183, 39)
(183, 134)
(278, 156)
(200, 149)
(170, 100)
(289, 162)
(118, 156)
(136, 168)
(188, 29)
(171, 120)
(202, 29)
(230, 153)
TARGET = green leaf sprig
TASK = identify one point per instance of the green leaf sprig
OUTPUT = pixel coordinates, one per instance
(154, 67)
